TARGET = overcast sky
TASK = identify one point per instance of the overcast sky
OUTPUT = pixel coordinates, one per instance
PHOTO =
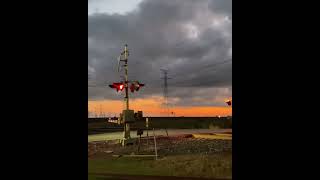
(190, 38)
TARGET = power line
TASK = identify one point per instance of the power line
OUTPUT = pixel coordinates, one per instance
(96, 86)
(202, 69)
(205, 67)
(217, 64)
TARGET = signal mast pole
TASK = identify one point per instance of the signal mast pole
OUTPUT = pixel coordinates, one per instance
(126, 75)
(126, 98)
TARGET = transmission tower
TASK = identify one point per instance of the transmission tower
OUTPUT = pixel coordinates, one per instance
(100, 110)
(165, 90)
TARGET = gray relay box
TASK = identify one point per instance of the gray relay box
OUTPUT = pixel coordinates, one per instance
(128, 116)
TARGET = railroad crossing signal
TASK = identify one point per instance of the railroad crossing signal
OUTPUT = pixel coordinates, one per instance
(135, 86)
(127, 114)
(117, 86)
(229, 102)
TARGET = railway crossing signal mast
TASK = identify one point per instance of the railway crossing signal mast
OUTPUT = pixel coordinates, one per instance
(127, 115)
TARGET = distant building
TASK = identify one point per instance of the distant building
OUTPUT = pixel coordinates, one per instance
(139, 115)
(114, 120)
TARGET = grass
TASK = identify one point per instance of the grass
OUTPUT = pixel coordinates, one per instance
(208, 166)
(122, 166)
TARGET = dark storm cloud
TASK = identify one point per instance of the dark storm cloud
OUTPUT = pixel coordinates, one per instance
(221, 6)
(188, 37)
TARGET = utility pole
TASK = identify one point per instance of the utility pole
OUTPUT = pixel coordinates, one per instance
(165, 89)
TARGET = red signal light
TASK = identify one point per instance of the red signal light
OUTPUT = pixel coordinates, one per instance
(135, 86)
(229, 102)
(117, 86)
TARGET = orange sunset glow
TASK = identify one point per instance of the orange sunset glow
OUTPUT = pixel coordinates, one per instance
(152, 107)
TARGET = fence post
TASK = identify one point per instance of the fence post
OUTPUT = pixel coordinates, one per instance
(155, 144)
(147, 126)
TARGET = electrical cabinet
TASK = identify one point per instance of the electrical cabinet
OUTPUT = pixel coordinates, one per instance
(128, 116)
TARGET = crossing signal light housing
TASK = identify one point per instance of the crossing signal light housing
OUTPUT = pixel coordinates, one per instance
(117, 86)
(229, 102)
(135, 86)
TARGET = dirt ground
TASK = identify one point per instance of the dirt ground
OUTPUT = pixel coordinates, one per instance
(184, 144)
